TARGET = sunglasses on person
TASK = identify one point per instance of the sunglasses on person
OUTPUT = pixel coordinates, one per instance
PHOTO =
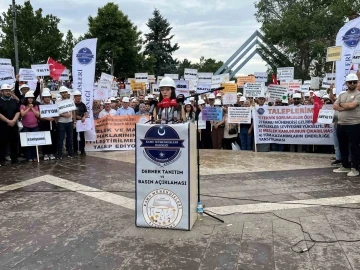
(211, 99)
(296, 98)
(352, 82)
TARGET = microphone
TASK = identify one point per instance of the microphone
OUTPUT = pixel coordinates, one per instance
(166, 106)
(173, 105)
(154, 104)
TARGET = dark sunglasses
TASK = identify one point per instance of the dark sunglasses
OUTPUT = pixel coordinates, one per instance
(211, 99)
(296, 98)
(352, 82)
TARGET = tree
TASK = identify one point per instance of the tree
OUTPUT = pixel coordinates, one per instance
(119, 41)
(67, 50)
(158, 44)
(38, 35)
(302, 30)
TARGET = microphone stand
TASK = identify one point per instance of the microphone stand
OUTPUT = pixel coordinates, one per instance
(196, 98)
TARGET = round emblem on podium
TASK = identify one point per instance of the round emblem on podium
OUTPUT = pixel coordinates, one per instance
(162, 208)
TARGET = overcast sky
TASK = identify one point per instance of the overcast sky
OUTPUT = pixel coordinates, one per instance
(209, 28)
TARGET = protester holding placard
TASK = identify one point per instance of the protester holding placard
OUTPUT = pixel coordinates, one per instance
(24, 88)
(9, 132)
(217, 129)
(246, 134)
(66, 125)
(29, 118)
(81, 114)
(262, 147)
(48, 124)
(231, 131)
(204, 138)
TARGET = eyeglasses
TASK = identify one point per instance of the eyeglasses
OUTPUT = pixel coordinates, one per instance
(352, 82)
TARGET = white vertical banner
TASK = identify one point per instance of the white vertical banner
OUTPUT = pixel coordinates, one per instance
(348, 37)
(83, 71)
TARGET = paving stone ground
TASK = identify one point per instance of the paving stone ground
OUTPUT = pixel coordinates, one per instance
(44, 226)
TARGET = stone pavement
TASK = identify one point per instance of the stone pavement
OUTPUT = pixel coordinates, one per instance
(78, 214)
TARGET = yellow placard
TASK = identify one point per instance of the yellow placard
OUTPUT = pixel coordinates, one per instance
(132, 81)
(333, 54)
(241, 80)
(229, 87)
(138, 86)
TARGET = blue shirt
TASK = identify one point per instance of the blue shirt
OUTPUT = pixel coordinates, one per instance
(129, 111)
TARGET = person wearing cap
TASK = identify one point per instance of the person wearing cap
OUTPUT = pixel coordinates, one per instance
(211, 100)
(125, 109)
(296, 100)
(348, 127)
(218, 96)
(246, 134)
(241, 102)
(9, 132)
(261, 147)
(114, 103)
(29, 117)
(217, 129)
(65, 127)
(107, 110)
(204, 139)
(189, 112)
(231, 131)
(48, 124)
(24, 88)
(81, 114)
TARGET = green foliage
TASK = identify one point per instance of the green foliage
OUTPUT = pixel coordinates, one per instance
(158, 44)
(119, 41)
(302, 30)
(38, 35)
(66, 50)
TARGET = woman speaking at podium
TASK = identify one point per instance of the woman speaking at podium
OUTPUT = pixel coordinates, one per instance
(168, 111)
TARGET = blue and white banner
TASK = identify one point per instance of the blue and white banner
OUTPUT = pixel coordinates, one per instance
(83, 71)
(348, 37)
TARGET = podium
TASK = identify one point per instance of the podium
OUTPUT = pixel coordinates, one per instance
(166, 176)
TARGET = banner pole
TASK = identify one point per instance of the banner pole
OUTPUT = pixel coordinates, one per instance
(37, 154)
(332, 72)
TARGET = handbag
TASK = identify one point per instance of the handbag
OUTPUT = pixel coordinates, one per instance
(233, 130)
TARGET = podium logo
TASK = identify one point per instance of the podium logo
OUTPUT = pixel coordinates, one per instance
(162, 145)
(162, 208)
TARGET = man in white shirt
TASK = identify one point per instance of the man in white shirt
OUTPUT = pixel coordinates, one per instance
(107, 109)
(125, 109)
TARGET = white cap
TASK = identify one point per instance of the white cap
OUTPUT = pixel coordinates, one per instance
(261, 96)
(150, 96)
(239, 94)
(212, 96)
(46, 93)
(125, 99)
(108, 101)
(46, 89)
(325, 97)
(63, 89)
(6, 86)
(77, 93)
(29, 94)
(146, 98)
(297, 95)
(217, 102)
(167, 82)
(201, 102)
(24, 86)
(192, 99)
(286, 101)
(218, 94)
(243, 99)
(334, 91)
(351, 77)
(112, 99)
(307, 94)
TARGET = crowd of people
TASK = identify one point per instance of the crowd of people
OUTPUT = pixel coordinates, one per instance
(19, 111)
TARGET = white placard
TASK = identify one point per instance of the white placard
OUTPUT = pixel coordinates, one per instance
(165, 178)
(305, 88)
(41, 69)
(6, 74)
(35, 138)
(141, 77)
(172, 76)
(326, 116)
(151, 79)
(356, 57)
(83, 126)
(201, 88)
(66, 105)
(190, 74)
(159, 78)
(106, 77)
(315, 83)
(103, 90)
(205, 77)
(222, 78)
(307, 82)
(5, 62)
(277, 91)
(328, 79)
(229, 98)
(202, 123)
(239, 115)
(27, 74)
(50, 110)
(295, 126)
(64, 76)
(253, 89)
(293, 85)
(193, 85)
(261, 76)
(182, 87)
(155, 89)
(285, 73)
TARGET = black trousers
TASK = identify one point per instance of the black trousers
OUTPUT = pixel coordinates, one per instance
(9, 136)
(79, 145)
(349, 137)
